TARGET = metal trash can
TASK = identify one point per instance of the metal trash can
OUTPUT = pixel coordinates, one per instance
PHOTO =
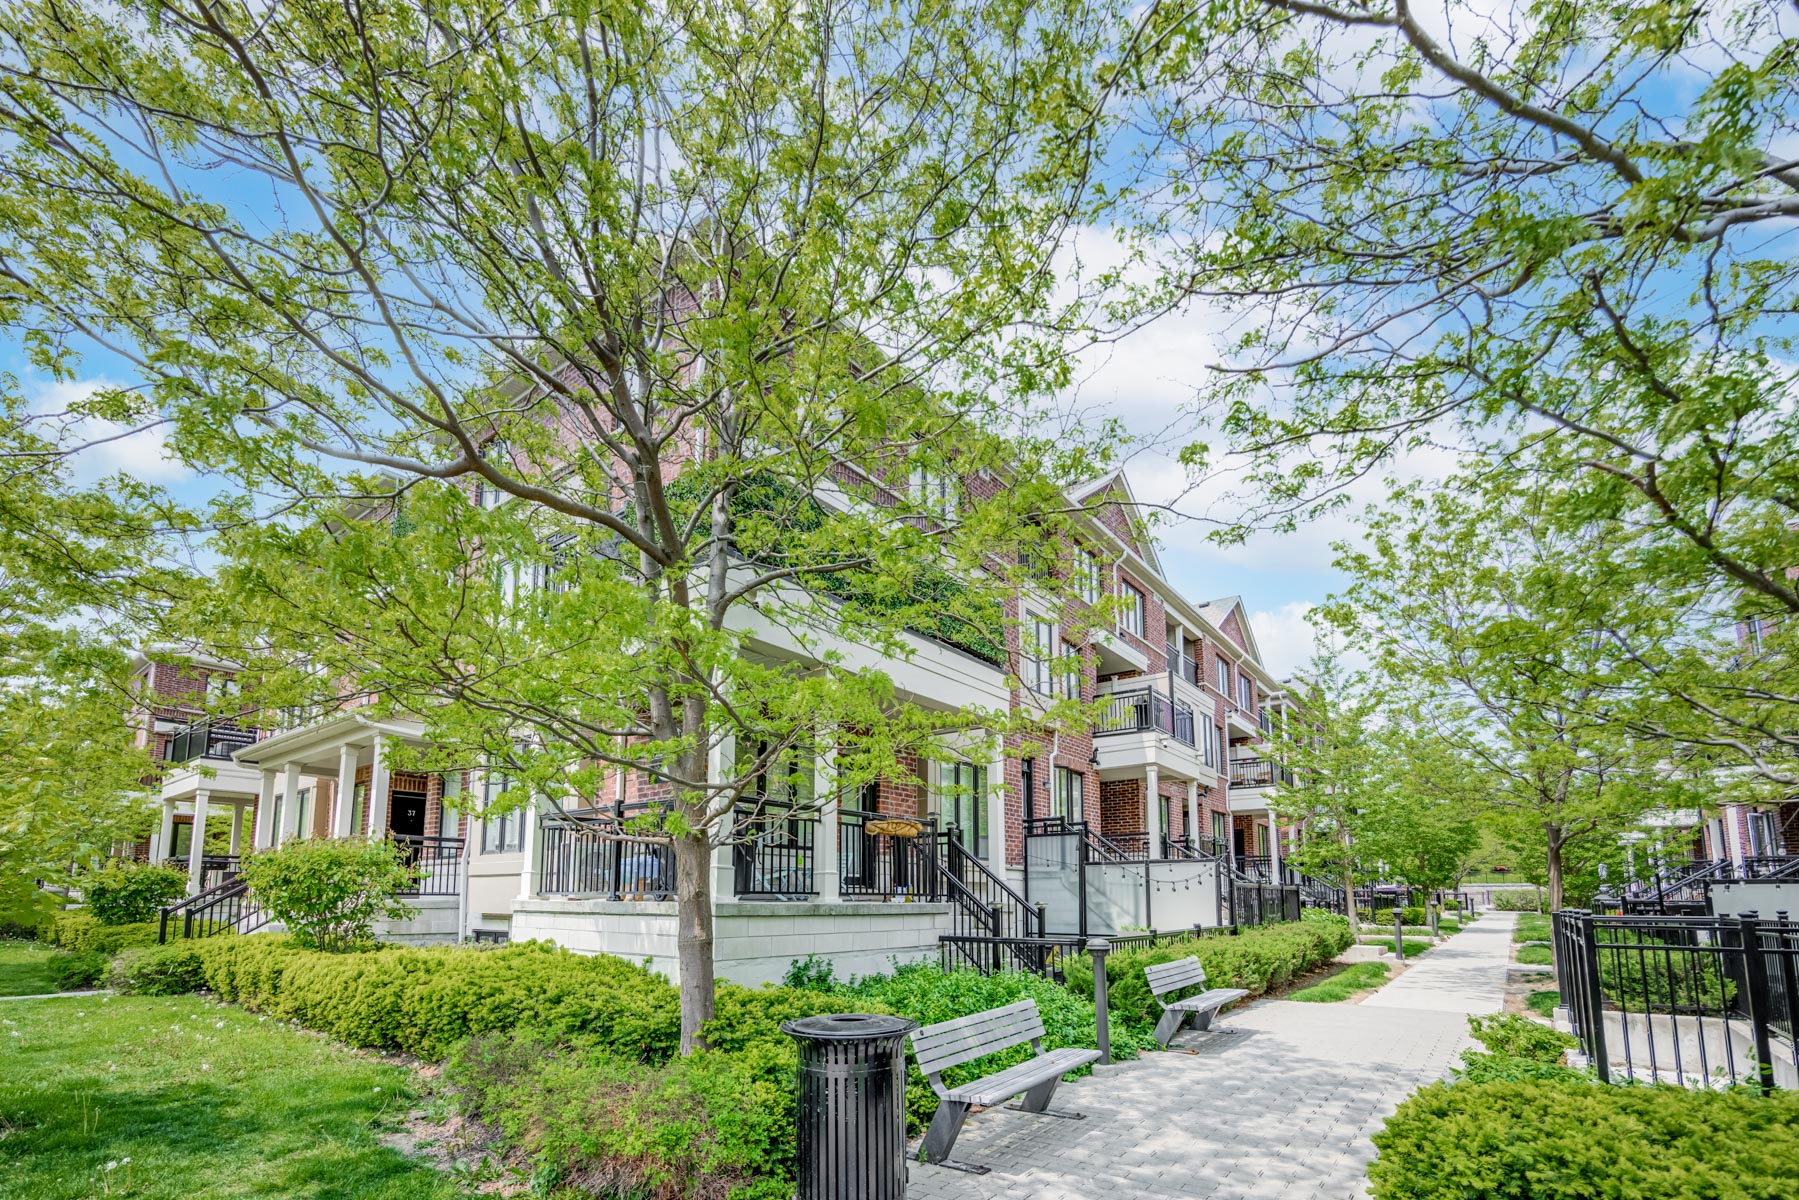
(852, 1106)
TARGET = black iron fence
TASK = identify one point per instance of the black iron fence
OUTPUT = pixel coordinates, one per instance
(1696, 1001)
(438, 861)
(872, 864)
(774, 852)
(595, 856)
(226, 907)
(1043, 956)
(1255, 903)
(205, 739)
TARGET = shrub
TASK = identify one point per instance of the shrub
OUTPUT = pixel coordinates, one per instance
(329, 893)
(78, 929)
(170, 970)
(1574, 1139)
(1517, 1048)
(130, 893)
(74, 969)
(425, 999)
(1414, 914)
(1522, 900)
(1259, 960)
(596, 1123)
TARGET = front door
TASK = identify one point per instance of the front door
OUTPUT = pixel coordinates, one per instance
(406, 814)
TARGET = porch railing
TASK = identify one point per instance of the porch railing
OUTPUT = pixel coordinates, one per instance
(208, 740)
(225, 907)
(884, 866)
(438, 861)
(1696, 1001)
(1258, 773)
(585, 856)
(774, 853)
(1143, 710)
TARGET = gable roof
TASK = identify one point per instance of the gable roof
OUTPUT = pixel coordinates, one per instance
(1216, 612)
(1116, 481)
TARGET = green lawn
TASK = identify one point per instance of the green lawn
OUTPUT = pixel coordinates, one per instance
(1356, 977)
(1543, 1003)
(25, 969)
(1537, 955)
(1531, 927)
(193, 1099)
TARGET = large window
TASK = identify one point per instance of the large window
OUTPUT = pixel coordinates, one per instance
(1131, 620)
(1087, 576)
(1070, 797)
(1072, 669)
(1221, 828)
(963, 804)
(1040, 647)
(788, 780)
(1224, 676)
(934, 490)
(505, 833)
(1246, 691)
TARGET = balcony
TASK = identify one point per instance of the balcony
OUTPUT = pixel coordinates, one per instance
(1142, 726)
(1145, 710)
(1250, 779)
(209, 741)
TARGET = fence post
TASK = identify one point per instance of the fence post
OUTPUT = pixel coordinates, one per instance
(1102, 1017)
(1757, 999)
(1399, 934)
(1594, 1017)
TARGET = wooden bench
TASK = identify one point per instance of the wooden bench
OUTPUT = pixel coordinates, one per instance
(952, 1043)
(1167, 978)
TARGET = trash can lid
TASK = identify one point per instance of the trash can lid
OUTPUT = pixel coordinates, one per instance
(847, 1027)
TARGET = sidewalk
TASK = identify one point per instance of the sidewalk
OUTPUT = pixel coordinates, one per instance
(1278, 1106)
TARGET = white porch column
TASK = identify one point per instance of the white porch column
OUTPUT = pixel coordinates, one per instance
(264, 834)
(527, 875)
(165, 845)
(290, 803)
(348, 759)
(824, 850)
(720, 766)
(196, 848)
(1274, 847)
(237, 829)
(1152, 809)
(996, 811)
(377, 792)
(1194, 832)
(1733, 831)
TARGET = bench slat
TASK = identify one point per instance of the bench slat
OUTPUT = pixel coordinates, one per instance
(1207, 1001)
(1171, 977)
(964, 1039)
(1012, 1081)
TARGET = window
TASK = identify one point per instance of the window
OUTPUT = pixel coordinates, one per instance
(1221, 828)
(1132, 619)
(1027, 779)
(506, 832)
(934, 491)
(964, 804)
(486, 494)
(1073, 669)
(788, 780)
(1070, 798)
(1224, 676)
(1087, 576)
(1246, 691)
(1167, 819)
(1039, 672)
(219, 687)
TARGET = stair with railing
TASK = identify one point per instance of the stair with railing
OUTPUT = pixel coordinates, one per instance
(984, 907)
(225, 907)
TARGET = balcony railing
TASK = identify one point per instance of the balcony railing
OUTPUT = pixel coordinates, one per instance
(775, 852)
(589, 854)
(207, 740)
(1258, 773)
(1142, 710)
(438, 861)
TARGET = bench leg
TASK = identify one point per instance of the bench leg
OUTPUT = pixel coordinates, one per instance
(1169, 1025)
(1037, 1101)
(940, 1137)
(1203, 1021)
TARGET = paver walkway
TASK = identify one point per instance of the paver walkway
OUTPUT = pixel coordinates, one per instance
(1280, 1107)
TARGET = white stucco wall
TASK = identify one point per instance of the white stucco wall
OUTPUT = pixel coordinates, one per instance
(435, 921)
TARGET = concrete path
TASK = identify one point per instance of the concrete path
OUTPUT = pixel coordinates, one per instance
(1279, 1104)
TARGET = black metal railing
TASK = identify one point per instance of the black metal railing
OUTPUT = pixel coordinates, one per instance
(1317, 893)
(1258, 773)
(1257, 866)
(1143, 710)
(1255, 903)
(225, 907)
(872, 865)
(595, 855)
(1696, 1001)
(214, 868)
(207, 739)
(774, 851)
(438, 861)
(1043, 956)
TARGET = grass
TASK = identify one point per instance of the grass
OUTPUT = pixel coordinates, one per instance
(1532, 927)
(190, 1098)
(25, 969)
(1413, 946)
(1543, 1003)
(1356, 977)
(1537, 955)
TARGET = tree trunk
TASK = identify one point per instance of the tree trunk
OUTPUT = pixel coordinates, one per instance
(693, 908)
(1555, 870)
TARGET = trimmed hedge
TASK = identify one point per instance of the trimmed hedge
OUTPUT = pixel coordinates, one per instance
(130, 893)
(1258, 960)
(1586, 1141)
(1522, 900)
(80, 930)
(170, 970)
(75, 969)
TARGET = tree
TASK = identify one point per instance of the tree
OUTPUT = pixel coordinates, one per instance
(1497, 626)
(1556, 239)
(1424, 828)
(584, 383)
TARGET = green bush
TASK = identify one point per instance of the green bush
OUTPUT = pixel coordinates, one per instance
(1517, 1048)
(1258, 960)
(78, 929)
(595, 1123)
(425, 999)
(1414, 914)
(130, 893)
(330, 892)
(170, 970)
(1584, 1141)
(74, 969)
(1522, 900)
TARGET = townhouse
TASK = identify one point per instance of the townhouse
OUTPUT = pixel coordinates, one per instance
(1156, 817)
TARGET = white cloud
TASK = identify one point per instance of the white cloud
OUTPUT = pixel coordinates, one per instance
(104, 448)
(1286, 638)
